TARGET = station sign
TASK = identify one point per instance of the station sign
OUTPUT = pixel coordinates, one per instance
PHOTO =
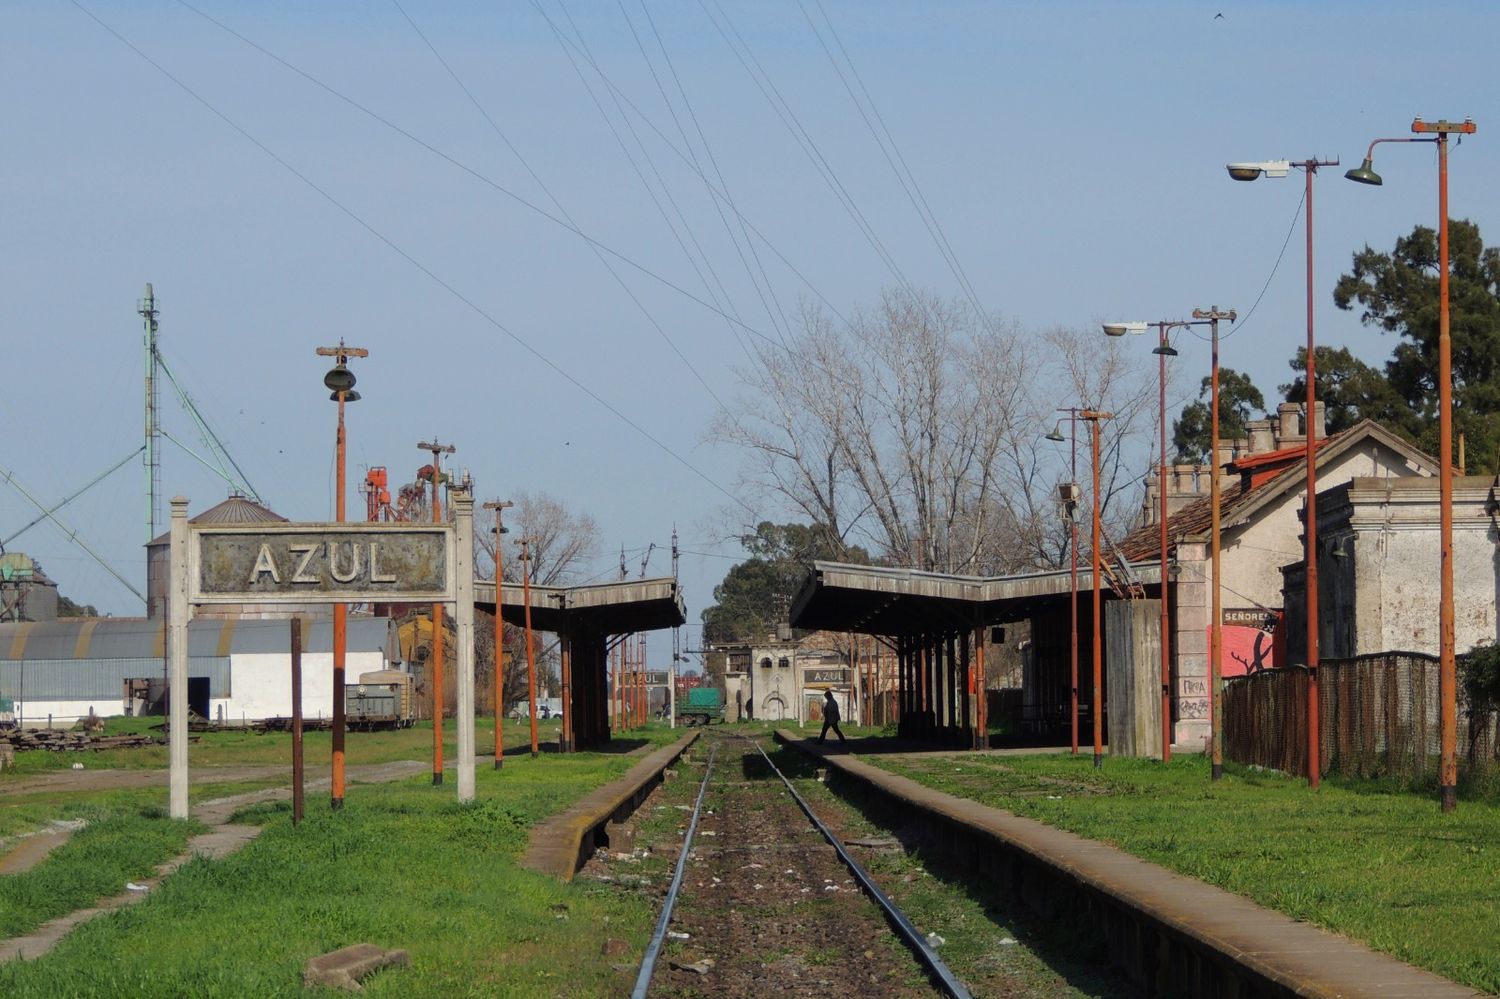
(837, 677)
(320, 563)
(657, 678)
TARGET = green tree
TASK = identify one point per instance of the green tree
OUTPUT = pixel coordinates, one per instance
(1239, 400)
(1397, 292)
(67, 608)
(756, 594)
(1350, 391)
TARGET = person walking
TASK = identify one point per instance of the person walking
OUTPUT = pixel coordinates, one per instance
(830, 718)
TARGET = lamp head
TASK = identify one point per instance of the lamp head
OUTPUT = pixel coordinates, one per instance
(1364, 175)
(1120, 329)
(1165, 350)
(1252, 171)
(1056, 435)
(339, 379)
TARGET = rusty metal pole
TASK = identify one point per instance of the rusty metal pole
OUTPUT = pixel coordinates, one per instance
(1097, 704)
(437, 450)
(298, 783)
(565, 729)
(1216, 615)
(341, 382)
(1073, 572)
(499, 506)
(1447, 675)
(530, 638)
(1166, 617)
(1310, 528)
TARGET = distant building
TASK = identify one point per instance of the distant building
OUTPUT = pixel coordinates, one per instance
(26, 594)
(235, 510)
(238, 670)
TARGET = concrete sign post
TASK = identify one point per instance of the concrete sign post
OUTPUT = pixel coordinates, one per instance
(463, 518)
(177, 662)
(304, 564)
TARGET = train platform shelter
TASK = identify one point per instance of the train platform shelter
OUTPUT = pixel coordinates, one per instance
(936, 622)
(586, 619)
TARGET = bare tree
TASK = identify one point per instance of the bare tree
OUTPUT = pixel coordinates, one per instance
(561, 539)
(917, 428)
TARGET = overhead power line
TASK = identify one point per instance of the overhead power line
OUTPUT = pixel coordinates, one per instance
(413, 261)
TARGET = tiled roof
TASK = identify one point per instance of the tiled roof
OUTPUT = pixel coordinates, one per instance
(1266, 480)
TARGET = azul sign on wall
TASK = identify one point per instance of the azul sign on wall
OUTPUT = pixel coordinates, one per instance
(309, 563)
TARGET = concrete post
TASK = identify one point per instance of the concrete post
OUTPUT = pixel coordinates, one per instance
(177, 661)
(463, 613)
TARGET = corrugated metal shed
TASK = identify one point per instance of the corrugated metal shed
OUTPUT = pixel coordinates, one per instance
(145, 638)
(98, 679)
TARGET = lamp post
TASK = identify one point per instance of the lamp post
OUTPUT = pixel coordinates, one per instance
(1093, 417)
(1309, 167)
(499, 506)
(1070, 501)
(437, 450)
(1447, 673)
(1216, 614)
(1163, 350)
(340, 382)
(525, 544)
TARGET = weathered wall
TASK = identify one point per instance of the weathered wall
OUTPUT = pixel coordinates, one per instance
(1132, 654)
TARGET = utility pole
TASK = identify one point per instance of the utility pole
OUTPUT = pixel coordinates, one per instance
(525, 544)
(676, 645)
(146, 308)
(499, 506)
(340, 381)
(437, 450)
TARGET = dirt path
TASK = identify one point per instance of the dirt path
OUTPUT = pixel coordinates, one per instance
(221, 839)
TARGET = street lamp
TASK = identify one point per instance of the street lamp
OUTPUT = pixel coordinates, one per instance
(1093, 417)
(340, 384)
(1309, 167)
(1216, 614)
(1163, 350)
(1069, 498)
(437, 450)
(1447, 674)
(499, 506)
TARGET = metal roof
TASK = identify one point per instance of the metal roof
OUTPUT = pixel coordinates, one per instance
(235, 510)
(885, 601)
(140, 637)
(616, 608)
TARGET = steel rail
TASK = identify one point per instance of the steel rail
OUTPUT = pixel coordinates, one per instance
(653, 950)
(947, 982)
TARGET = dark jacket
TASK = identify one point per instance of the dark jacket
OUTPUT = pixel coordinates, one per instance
(830, 707)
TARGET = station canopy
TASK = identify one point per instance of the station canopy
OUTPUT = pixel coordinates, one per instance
(875, 600)
(617, 608)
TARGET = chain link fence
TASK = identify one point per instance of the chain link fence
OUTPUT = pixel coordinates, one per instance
(1379, 718)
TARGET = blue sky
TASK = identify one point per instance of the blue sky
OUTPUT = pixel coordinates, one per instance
(1073, 154)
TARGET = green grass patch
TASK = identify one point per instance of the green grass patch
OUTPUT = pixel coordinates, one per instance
(402, 865)
(116, 846)
(1383, 866)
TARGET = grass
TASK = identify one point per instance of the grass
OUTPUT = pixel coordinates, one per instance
(1383, 866)
(402, 865)
(245, 747)
(117, 845)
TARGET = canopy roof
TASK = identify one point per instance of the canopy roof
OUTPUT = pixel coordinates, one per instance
(616, 608)
(880, 601)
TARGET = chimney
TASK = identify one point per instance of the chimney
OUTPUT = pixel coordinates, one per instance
(1185, 479)
(1289, 416)
(1262, 437)
(1320, 423)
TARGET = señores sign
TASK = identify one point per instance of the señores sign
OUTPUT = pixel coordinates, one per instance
(320, 563)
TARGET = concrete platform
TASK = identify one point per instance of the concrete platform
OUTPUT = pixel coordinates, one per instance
(561, 845)
(1169, 933)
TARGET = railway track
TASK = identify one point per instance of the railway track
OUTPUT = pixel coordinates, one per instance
(765, 899)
